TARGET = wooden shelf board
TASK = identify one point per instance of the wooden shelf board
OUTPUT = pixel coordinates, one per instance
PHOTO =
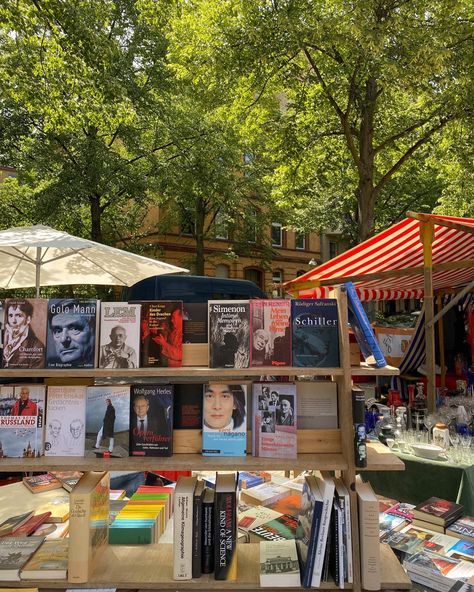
(176, 462)
(379, 458)
(364, 369)
(392, 574)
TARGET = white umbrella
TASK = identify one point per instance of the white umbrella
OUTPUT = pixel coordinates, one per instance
(42, 256)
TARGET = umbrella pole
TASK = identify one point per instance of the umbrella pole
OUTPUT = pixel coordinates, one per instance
(38, 271)
(427, 236)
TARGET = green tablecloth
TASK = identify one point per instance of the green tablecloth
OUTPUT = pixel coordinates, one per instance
(422, 479)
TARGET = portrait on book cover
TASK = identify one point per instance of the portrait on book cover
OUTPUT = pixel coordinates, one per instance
(24, 333)
(224, 408)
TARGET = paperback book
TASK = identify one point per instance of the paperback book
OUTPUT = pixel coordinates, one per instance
(282, 528)
(11, 524)
(183, 528)
(279, 565)
(224, 428)
(462, 528)
(119, 335)
(161, 334)
(225, 538)
(187, 406)
(22, 421)
(229, 333)
(71, 336)
(315, 334)
(24, 335)
(271, 333)
(66, 418)
(48, 563)
(207, 540)
(195, 332)
(107, 420)
(40, 483)
(14, 554)
(151, 420)
(32, 524)
(274, 430)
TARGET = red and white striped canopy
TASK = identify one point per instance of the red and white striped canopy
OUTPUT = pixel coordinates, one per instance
(375, 265)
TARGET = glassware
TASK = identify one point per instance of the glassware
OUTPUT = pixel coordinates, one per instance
(429, 421)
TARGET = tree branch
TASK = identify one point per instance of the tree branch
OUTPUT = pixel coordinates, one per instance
(404, 132)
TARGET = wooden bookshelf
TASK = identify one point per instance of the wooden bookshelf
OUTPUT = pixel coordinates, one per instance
(379, 458)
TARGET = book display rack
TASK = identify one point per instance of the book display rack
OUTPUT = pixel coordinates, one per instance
(151, 566)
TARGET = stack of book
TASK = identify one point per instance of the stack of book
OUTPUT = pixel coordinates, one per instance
(436, 514)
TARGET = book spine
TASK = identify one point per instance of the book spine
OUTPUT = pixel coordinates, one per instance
(307, 575)
(136, 535)
(369, 544)
(183, 536)
(358, 417)
(79, 538)
(348, 539)
(197, 533)
(207, 552)
(322, 536)
(225, 550)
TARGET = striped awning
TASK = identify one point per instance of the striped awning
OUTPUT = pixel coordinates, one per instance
(390, 265)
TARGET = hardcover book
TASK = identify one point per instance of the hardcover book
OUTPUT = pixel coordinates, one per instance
(274, 430)
(271, 333)
(39, 483)
(462, 528)
(22, 421)
(279, 565)
(14, 554)
(229, 333)
(197, 528)
(107, 420)
(315, 335)
(187, 407)
(151, 420)
(71, 337)
(369, 536)
(183, 528)
(195, 333)
(88, 534)
(119, 335)
(207, 539)
(48, 563)
(438, 511)
(65, 421)
(225, 541)
(224, 428)
(24, 335)
(343, 498)
(316, 404)
(161, 334)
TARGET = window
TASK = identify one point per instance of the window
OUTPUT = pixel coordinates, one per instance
(222, 271)
(277, 279)
(277, 235)
(332, 249)
(221, 228)
(254, 275)
(300, 272)
(300, 241)
(187, 225)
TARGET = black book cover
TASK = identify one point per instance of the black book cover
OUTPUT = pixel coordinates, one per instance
(358, 415)
(151, 420)
(195, 322)
(207, 538)
(229, 333)
(225, 516)
(187, 412)
(161, 334)
(271, 333)
(197, 529)
(334, 532)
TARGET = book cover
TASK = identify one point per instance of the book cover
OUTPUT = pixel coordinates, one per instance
(336, 547)
(315, 334)
(388, 522)
(437, 568)
(48, 563)
(402, 509)
(438, 511)
(65, 421)
(107, 420)
(88, 533)
(463, 528)
(342, 495)
(271, 333)
(264, 494)
(316, 404)
(369, 536)
(195, 333)
(71, 336)
(183, 528)
(31, 525)
(281, 528)
(224, 427)
(14, 522)
(69, 479)
(225, 541)
(39, 483)
(274, 429)
(279, 565)
(187, 408)
(151, 420)
(255, 516)
(22, 421)
(207, 538)
(290, 504)
(229, 333)
(161, 334)
(197, 528)
(119, 335)
(14, 554)
(326, 487)
(24, 335)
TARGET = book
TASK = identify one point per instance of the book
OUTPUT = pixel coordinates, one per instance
(281, 528)
(385, 503)
(224, 427)
(229, 333)
(207, 539)
(195, 332)
(161, 334)
(65, 421)
(88, 533)
(107, 420)
(271, 333)
(369, 536)
(119, 344)
(342, 495)
(290, 504)
(264, 494)
(14, 522)
(225, 537)
(52, 531)
(255, 516)
(69, 479)
(24, 334)
(22, 421)
(71, 336)
(326, 487)
(14, 554)
(463, 549)
(316, 403)
(39, 483)
(279, 565)
(362, 329)
(183, 528)
(438, 511)
(427, 525)
(315, 333)
(402, 509)
(187, 406)
(336, 547)
(463, 528)
(439, 571)
(48, 563)
(151, 420)
(31, 525)
(58, 506)
(197, 528)
(358, 417)
(388, 522)
(274, 429)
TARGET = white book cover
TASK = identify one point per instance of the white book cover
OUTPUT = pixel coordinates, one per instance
(65, 421)
(107, 421)
(119, 335)
(255, 516)
(22, 410)
(326, 486)
(279, 567)
(264, 494)
(317, 404)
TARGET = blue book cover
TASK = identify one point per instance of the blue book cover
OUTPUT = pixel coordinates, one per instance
(224, 427)
(315, 333)
(362, 329)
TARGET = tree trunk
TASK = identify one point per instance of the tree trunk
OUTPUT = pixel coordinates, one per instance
(96, 226)
(200, 221)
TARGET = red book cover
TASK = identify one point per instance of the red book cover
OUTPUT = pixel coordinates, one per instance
(161, 334)
(31, 525)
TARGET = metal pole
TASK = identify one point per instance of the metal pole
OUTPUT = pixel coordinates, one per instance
(38, 271)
